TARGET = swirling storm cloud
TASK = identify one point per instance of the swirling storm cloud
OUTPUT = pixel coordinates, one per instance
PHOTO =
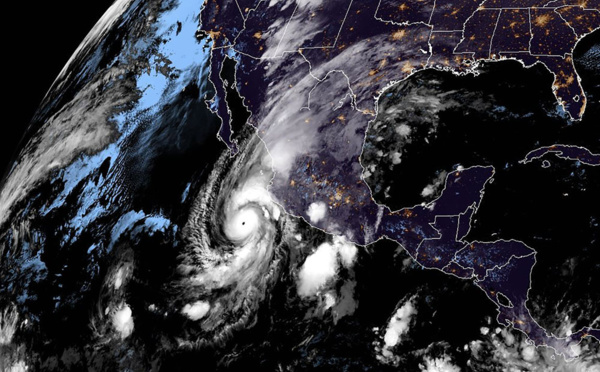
(145, 224)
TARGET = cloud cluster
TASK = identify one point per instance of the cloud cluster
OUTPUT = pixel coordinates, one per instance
(395, 332)
(443, 364)
(509, 350)
(322, 266)
(430, 191)
(197, 310)
(399, 324)
(122, 321)
(316, 211)
(8, 324)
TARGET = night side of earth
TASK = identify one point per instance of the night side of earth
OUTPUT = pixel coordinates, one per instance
(312, 185)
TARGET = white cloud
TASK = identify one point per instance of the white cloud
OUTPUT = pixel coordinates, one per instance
(529, 353)
(347, 304)
(316, 211)
(310, 3)
(329, 299)
(290, 131)
(19, 366)
(101, 28)
(511, 351)
(346, 250)
(61, 140)
(509, 339)
(289, 34)
(123, 321)
(432, 188)
(428, 191)
(321, 266)
(399, 324)
(119, 278)
(403, 130)
(393, 333)
(249, 206)
(197, 310)
(242, 224)
(318, 268)
(576, 350)
(438, 365)
(8, 324)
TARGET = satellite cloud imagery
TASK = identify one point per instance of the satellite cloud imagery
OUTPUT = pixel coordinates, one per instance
(290, 185)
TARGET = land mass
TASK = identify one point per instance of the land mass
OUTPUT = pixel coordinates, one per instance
(311, 74)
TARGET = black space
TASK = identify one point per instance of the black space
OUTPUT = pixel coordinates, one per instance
(469, 135)
(40, 38)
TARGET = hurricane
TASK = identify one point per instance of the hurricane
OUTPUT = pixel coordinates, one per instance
(286, 185)
(236, 240)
